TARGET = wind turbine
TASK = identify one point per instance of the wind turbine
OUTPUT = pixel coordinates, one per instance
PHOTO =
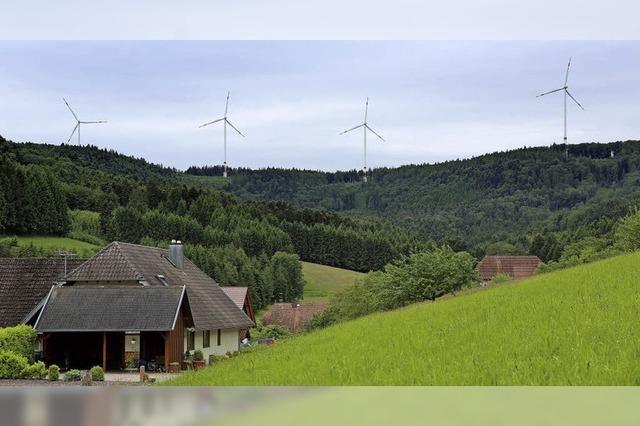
(226, 121)
(78, 122)
(565, 90)
(365, 127)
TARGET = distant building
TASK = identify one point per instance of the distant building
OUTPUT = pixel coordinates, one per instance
(294, 315)
(240, 296)
(514, 266)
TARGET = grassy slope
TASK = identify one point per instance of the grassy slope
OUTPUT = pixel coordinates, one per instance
(57, 243)
(572, 327)
(324, 281)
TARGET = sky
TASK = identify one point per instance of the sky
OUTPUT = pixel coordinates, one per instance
(431, 100)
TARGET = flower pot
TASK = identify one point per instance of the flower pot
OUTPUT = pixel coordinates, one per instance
(197, 365)
(174, 367)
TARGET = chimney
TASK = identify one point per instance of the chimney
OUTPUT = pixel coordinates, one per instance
(176, 254)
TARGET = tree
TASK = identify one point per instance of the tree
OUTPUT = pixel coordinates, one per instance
(284, 275)
(627, 235)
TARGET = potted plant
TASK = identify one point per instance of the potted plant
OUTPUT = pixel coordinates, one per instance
(198, 359)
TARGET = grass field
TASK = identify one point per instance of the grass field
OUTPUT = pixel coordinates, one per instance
(324, 281)
(571, 327)
(52, 244)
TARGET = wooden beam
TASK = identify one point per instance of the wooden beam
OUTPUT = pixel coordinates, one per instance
(104, 351)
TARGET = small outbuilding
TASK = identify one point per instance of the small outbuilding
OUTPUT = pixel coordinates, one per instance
(293, 315)
(514, 266)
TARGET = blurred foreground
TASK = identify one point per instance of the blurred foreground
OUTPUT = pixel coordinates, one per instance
(283, 406)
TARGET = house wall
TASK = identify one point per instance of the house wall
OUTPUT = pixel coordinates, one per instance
(229, 342)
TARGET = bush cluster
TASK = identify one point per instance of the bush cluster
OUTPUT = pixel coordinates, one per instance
(54, 373)
(12, 365)
(72, 376)
(97, 374)
(20, 339)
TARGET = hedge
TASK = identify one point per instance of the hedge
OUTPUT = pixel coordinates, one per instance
(12, 365)
(20, 339)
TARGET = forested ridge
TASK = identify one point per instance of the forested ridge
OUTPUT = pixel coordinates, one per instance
(491, 203)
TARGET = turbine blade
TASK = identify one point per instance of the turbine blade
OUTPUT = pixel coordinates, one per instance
(234, 127)
(73, 132)
(92, 122)
(574, 100)
(547, 93)
(566, 77)
(366, 109)
(226, 105)
(211, 122)
(74, 114)
(374, 132)
(353, 128)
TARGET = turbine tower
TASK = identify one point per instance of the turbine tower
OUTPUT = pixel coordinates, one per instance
(565, 90)
(225, 121)
(365, 127)
(78, 122)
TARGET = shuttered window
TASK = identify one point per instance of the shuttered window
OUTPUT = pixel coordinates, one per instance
(206, 338)
(219, 337)
(191, 340)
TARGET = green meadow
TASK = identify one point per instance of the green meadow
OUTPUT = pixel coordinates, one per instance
(51, 244)
(323, 281)
(572, 327)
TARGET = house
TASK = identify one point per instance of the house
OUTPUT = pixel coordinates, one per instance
(131, 302)
(294, 315)
(24, 282)
(514, 266)
(240, 296)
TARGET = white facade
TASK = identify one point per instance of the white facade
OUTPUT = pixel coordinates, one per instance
(229, 342)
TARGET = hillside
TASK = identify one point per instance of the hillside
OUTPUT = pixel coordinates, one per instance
(323, 281)
(497, 197)
(572, 327)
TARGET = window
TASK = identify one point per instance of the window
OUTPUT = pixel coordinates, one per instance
(191, 340)
(219, 337)
(206, 339)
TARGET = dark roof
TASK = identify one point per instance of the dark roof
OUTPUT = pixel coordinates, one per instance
(292, 315)
(514, 266)
(110, 308)
(24, 282)
(210, 307)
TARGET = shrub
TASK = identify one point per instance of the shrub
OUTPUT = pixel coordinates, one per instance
(20, 339)
(72, 376)
(35, 371)
(213, 358)
(273, 330)
(198, 355)
(54, 373)
(12, 365)
(500, 278)
(97, 374)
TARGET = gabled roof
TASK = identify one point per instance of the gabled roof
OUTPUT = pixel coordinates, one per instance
(110, 308)
(24, 282)
(210, 307)
(237, 294)
(514, 266)
(292, 315)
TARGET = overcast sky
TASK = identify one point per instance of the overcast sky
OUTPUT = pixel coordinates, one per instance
(432, 101)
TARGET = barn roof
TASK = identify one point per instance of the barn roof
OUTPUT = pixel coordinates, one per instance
(237, 294)
(292, 315)
(110, 308)
(514, 266)
(24, 282)
(210, 307)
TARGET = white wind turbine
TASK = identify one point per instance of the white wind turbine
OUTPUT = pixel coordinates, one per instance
(365, 127)
(565, 90)
(78, 122)
(225, 121)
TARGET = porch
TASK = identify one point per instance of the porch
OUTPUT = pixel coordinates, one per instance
(114, 351)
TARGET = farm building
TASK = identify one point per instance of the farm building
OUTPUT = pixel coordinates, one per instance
(131, 302)
(24, 282)
(240, 296)
(294, 316)
(514, 266)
